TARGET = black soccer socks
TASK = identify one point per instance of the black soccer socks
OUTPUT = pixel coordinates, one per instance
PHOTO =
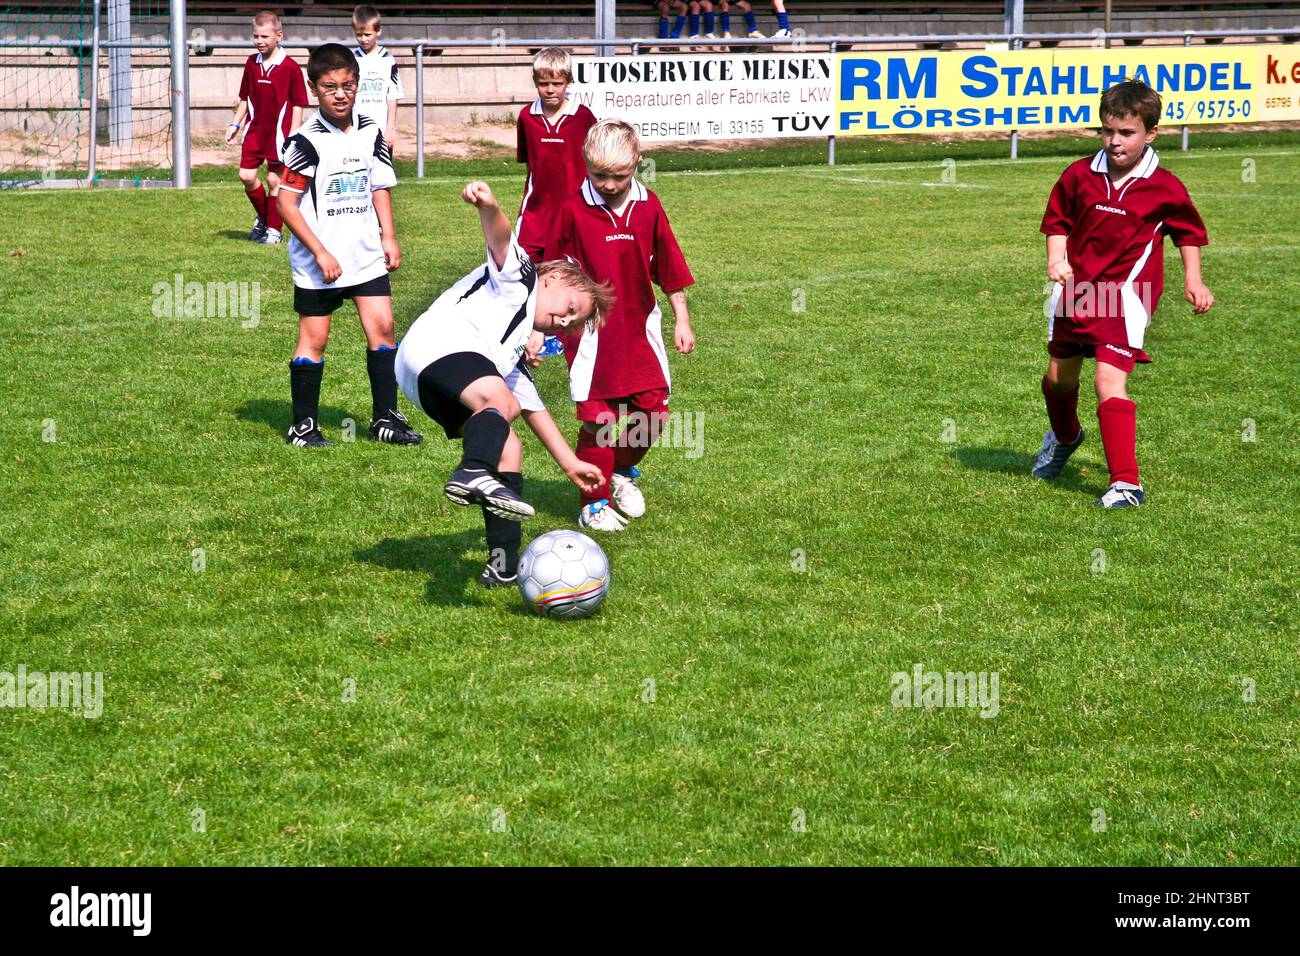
(304, 386)
(485, 436)
(383, 382)
(503, 537)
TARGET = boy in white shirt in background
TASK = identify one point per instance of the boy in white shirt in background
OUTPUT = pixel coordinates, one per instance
(380, 88)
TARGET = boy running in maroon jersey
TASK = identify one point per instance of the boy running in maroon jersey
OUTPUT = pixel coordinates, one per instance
(1105, 223)
(271, 97)
(551, 134)
(617, 231)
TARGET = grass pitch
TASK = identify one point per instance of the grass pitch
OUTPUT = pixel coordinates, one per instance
(331, 688)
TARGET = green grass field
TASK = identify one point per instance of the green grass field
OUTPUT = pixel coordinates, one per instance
(1127, 643)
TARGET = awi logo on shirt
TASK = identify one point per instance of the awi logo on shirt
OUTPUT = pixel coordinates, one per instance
(343, 183)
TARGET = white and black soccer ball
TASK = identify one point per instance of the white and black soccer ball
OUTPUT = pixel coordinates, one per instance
(563, 574)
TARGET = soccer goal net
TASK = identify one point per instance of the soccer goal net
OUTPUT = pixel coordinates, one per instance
(85, 94)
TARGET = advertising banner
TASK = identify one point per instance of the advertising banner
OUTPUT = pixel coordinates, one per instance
(772, 95)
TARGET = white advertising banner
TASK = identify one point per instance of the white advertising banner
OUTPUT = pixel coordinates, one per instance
(712, 97)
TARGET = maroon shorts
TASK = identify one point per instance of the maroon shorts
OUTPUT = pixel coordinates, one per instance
(1123, 357)
(603, 411)
(257, 151)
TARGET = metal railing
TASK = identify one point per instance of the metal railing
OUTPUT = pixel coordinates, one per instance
(178, 45)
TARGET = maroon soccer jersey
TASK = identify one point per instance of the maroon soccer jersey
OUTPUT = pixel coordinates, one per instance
(553, 152)
(271, 88)
(633, 251)
(1115, 247)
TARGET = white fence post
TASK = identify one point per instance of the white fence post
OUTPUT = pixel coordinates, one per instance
(119, 73)
(180, 82)
(419, 112)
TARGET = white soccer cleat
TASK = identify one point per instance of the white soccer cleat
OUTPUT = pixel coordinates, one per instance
(726, 34)
(626, 495)
(782, 35)
(756, 35)
(272, 238)
(599, 516)
(1122, 494)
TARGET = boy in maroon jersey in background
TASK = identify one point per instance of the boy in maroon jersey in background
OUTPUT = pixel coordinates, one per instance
(551, 133)
(1105, 223)
(271, 96)
(617, 231)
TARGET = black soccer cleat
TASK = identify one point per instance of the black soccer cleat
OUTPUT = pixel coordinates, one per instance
(1054, 454)
(394, 429)
(258, 232)
(476, 486)
(492, 578)
(306, 434)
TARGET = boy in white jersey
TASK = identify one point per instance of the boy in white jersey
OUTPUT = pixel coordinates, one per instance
(464, 363)
(335, 201)
(379, 88)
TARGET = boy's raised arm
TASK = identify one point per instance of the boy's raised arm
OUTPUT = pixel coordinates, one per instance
(496, 227)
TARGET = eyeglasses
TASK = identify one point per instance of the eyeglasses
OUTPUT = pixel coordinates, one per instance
(329, 89)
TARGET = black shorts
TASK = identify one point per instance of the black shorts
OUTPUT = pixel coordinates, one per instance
(325, 301)
(441, 383)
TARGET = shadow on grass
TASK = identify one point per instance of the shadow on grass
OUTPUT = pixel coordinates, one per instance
(242, 236)
(277, 414)
(440, 556)
(1017, 464)
(558, 499)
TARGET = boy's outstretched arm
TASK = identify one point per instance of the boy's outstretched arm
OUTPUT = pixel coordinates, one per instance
(583, 474)
(1194, 290)
(683, 337)
(496, 227)
(1058, 266)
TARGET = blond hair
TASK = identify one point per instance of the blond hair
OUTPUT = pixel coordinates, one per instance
(553, 59)
(570, 274)
(264, 17)
(611, 144)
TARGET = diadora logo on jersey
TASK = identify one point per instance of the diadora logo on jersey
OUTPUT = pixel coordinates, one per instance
(1118, 212)
(341, 183)
(621, 235)
(1124, 352)
(552, 139)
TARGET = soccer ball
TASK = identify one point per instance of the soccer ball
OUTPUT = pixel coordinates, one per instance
(563, 574)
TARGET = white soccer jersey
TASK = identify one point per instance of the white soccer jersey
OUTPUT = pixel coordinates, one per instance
(490, 311)
(379, 83)
(344, 168)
